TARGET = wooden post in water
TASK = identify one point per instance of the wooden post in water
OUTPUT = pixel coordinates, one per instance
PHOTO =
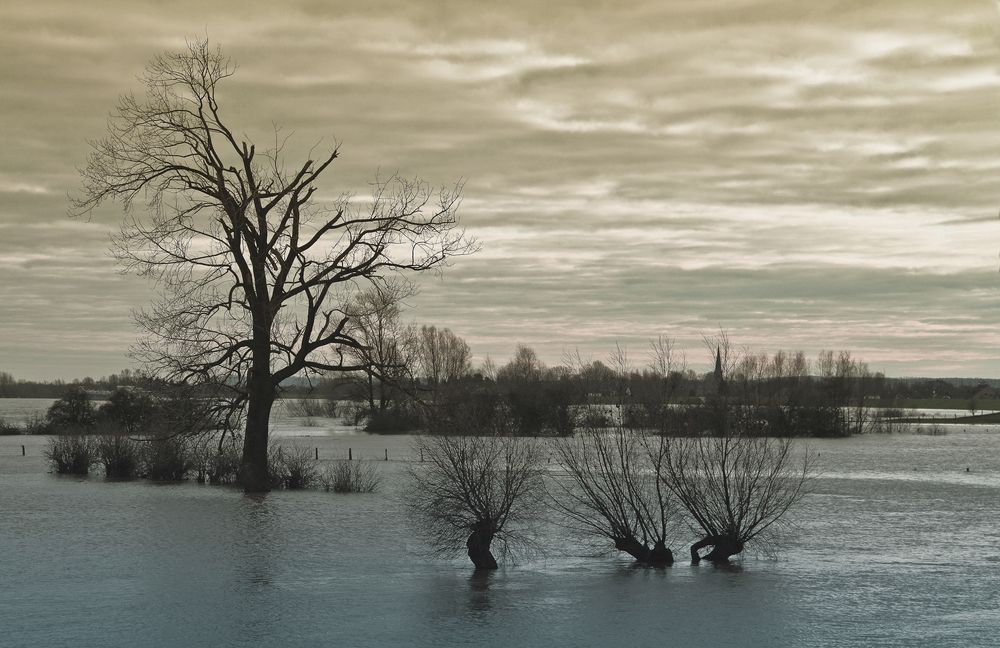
(349, 457)
(317, 454)
(387, 454)
(22, 451)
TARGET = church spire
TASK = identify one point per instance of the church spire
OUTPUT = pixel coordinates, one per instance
(720, 379)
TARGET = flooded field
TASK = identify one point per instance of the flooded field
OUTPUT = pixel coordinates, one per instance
(896, 546)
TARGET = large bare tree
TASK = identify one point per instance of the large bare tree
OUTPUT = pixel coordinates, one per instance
(254, 274)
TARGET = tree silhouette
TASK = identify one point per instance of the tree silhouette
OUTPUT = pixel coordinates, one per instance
(254, 274)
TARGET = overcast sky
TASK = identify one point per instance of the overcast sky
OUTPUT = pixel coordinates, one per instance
(805, 175)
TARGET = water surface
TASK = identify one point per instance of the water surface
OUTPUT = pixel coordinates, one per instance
(897, 546)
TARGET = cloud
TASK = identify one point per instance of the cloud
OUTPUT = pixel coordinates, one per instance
(481, 60)
(806, 175)
(11, 185)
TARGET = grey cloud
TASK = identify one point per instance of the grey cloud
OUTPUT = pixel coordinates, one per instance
(795, 171)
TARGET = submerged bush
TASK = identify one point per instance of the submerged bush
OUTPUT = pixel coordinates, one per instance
(120, 455)
(293, 468)
(220, 465)
(168, 458)
(595, 417)
(38, 425)
(8, 429)
(345, 476)
(934, 429)
(392, 421)
(311, 407)
(70, 454)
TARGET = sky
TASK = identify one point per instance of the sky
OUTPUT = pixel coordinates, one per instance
(803, 175)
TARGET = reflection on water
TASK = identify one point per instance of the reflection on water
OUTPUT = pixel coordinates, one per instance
(479, 590)
(734, 567)
(259, 540)
(875, 560)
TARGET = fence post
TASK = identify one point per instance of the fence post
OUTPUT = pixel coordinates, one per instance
(349, 456)
(317, 454)
(387, 454)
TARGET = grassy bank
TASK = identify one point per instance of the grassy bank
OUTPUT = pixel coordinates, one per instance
(979, 419)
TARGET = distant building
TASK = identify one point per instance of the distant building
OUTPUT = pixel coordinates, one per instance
(720, 379)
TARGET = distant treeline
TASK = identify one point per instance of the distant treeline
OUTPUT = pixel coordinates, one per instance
(102, 387)
(784, 394)
(890, 392)
(424, 380)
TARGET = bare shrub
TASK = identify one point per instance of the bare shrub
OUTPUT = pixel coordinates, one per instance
(343, 476)
(889, 421)
(38, 425)
(595, 417)
(933, 429)
(353, 413)
(474, 491)
(70, 454)
(219, 461)
(168, 458)
(120, 455)
(293, 468)
(311, 407)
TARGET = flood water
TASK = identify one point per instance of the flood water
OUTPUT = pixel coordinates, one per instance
(17, 411)
(897, 546)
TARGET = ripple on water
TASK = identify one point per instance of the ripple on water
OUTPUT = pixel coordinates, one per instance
(876, 558)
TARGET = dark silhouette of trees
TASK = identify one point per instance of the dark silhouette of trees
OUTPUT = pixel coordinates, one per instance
(73, 412)
(480, 493)
(386, 350)
(613, 489)
(439, 355)
(848, 384)
(7, 385)
(254, 274)
(735, 486)
(130, 411)
(540, 398)
(442, 389)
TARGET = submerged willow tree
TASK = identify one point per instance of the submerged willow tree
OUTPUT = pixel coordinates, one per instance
(480, 493)
(613, 490)
(254, 275)
(737, 487)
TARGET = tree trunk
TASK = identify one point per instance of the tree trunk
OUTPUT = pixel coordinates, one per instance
(723, 548)
(658, 555)
(261, 393)
(479, 546)
(253, 471)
